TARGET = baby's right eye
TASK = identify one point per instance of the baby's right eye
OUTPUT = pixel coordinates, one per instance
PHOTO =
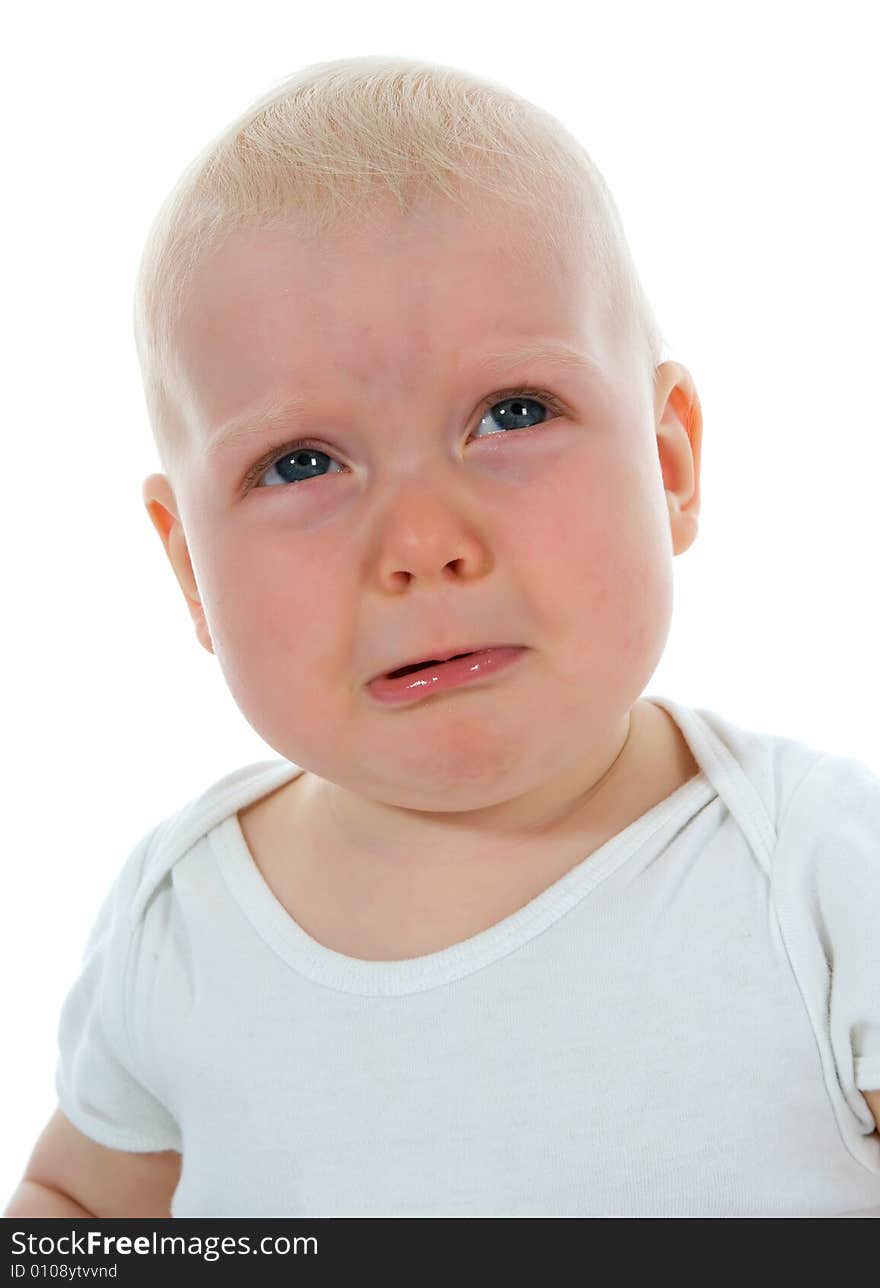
(293, 463)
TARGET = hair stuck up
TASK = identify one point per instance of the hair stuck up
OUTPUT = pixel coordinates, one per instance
(330, 139)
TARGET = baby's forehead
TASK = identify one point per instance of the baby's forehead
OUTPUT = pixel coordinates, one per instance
(364, 309)
(413, 246)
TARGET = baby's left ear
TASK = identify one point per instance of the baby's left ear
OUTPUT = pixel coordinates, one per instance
(679, 429)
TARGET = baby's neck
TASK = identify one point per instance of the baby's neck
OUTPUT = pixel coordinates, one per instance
(359, 896)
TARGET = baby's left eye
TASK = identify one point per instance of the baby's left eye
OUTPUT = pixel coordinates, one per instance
(515, 408)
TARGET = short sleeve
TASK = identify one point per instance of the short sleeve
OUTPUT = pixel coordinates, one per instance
(97, 1083)
(828, 891)
(848, 889)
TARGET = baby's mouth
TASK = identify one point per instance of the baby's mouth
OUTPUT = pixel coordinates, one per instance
(420, 666)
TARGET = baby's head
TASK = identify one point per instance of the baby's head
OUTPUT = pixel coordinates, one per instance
(408, 397)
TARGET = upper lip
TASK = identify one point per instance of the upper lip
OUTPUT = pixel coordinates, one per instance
(440, 654)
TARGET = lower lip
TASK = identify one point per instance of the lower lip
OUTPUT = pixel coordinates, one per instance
(444, 675)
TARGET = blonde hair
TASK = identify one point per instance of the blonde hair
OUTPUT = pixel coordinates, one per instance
(328, 140)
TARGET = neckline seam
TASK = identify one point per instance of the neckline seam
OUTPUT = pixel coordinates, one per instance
(325, 966)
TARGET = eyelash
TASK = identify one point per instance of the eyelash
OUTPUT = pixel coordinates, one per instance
(255, 472)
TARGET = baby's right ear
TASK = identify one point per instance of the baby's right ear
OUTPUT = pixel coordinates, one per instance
(162, 508)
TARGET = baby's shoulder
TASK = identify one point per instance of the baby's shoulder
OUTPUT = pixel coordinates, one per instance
(782, 770)
(836, 793)
(175, 836)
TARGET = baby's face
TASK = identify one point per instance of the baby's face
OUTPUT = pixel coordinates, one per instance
(420, 521)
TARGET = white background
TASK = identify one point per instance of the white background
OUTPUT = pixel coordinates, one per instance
(740, 143)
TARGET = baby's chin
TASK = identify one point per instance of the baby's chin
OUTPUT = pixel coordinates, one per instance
(516, 796)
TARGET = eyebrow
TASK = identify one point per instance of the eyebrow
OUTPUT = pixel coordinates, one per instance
(289, 409)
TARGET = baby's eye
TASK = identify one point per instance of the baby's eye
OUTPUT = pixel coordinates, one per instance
(305, 459)
(514, 409)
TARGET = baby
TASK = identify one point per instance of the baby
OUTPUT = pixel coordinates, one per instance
(497, 934)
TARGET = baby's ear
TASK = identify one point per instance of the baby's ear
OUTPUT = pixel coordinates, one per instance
(679, 429)
(162, 508)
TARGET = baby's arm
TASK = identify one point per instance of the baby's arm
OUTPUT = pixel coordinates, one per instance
(69, 1174)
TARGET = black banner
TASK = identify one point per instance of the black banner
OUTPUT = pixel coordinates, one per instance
(283, 1250)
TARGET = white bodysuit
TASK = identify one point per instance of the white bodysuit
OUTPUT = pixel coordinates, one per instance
(681, 1025)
